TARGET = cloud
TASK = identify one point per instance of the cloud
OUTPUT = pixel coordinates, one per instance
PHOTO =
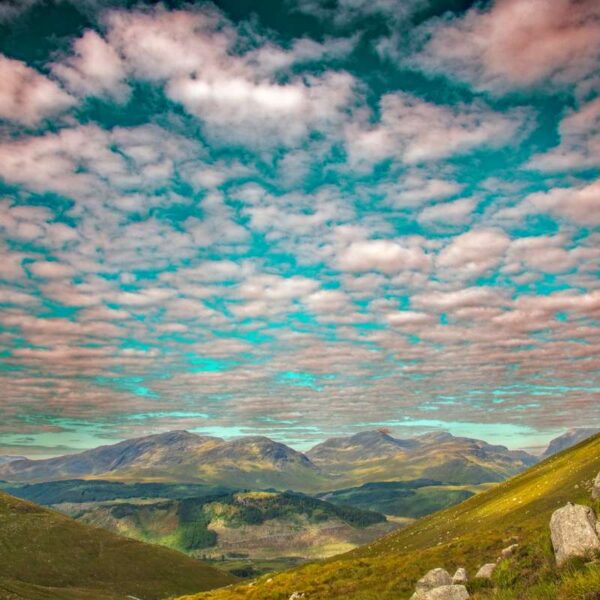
(385, 256)
(515, 44)
(579, 146)
(415, 131)
(448, 213)
(27, 96)
(94, 68)
(473, 253)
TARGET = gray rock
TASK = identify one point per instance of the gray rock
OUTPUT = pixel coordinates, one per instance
(596, 488)
(297, 596)
(448, 592)
(433, 579)
(573, 529)
(486, 571)
(460, 577)
(443, 592)
(508, 552)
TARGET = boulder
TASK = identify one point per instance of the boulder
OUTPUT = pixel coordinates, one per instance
(508, 552)
(460, 577)
(297, 596)
(486, 571)
(443, 592)
(596, 488)
(433, 579)
(573, 529)
(448, 592)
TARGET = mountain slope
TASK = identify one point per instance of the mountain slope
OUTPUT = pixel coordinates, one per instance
(47, 556)
(468, 535)
(376, 456)
(249, 462)
(569, 439)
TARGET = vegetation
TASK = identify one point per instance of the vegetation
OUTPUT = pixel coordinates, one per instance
(48, 556)
(469, 534)
(413, 499)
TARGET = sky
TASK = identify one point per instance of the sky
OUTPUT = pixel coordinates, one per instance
(299, 219)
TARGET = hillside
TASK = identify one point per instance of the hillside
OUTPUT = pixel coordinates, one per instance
(261, 463)
(409, 499)
(466, 535)
(47, 556)
(377, 456)
(252, 525)
(569, 439)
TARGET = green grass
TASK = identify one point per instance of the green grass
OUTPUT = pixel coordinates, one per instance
(469, 534)
(47, 556)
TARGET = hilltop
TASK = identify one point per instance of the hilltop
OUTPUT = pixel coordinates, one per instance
(569, 439)
(260, 463)
(467, 535)
(47, 556)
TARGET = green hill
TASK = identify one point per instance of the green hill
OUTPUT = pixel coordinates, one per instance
(249, 525)
(469, 535)
(47, 556)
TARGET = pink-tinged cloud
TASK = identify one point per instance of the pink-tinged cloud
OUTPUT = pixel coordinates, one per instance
(385, 256)
(579, 146)
(27, 96)
(516, 43)
(448, 213)
(415, 131)
(473, 253)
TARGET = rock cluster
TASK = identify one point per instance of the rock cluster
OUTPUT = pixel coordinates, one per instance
(574, 531)
(438, 585)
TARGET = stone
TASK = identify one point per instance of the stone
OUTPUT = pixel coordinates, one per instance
(486, 571)
(596, 488)
(448, 592)
(509, 551)
(443, 592)
(433, 579)
(460, 577)
(297, 596)
(573, 529)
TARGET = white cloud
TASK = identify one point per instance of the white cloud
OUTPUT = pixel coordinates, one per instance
(27, 96)
(386, 256)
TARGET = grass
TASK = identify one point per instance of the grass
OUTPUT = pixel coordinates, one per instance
(47, 556)
(469, 535)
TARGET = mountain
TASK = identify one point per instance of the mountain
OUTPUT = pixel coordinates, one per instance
(252, 525)
(47, 556)
(260, 463)
(9, 458)
(568, 439)
(249, 462)
(376, 456)
(467, 535)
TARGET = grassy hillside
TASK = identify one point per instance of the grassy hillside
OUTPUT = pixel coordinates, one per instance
(250, 525)
(48, 556)
(468, 535)
(409, 499)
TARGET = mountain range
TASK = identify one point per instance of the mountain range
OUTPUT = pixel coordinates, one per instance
(261, 463)
(569, 439)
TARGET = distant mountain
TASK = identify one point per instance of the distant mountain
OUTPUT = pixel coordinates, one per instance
(253, 525)
(260, 463)
(9, 458)
(377, 456)
(248, 462)
(47, 556)
(568, 439)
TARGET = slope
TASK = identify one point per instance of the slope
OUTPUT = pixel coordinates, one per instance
(468, 535)
(47, 556)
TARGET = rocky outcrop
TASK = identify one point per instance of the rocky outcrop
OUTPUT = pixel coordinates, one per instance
(486, 571)
(574, 532)
(438, 585)
(460, 577)
(596, 488)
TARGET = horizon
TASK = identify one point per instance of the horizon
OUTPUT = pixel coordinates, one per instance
(298, 219)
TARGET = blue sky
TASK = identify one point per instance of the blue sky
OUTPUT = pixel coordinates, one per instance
(298, 219)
